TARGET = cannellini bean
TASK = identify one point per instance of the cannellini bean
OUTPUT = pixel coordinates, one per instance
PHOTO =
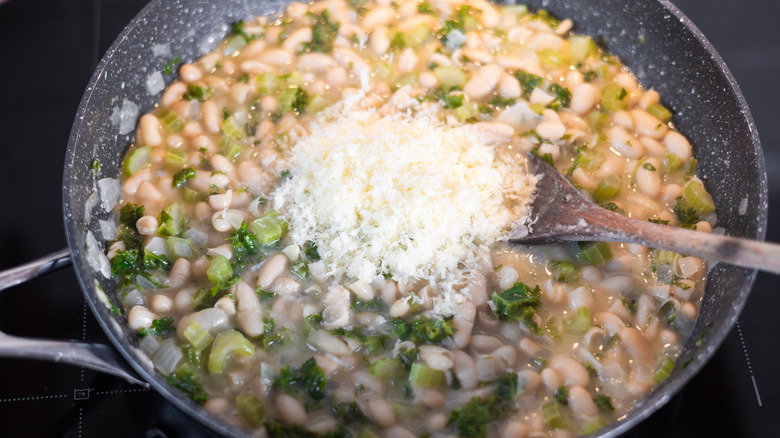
(150, 129)
(678, 145)
(484, 343)
(570, 369)
(509, 87)
(290, 409)
(316, 61)
(336, 77)
(400, 308)
(379, 41)
(581, 402)
(148, 192)
(514, 429)
(610, 322)
(529, 347)
(648, 178)
(407, 60)
(377, 16)
(179, 272)
(581, 297)
(190, 73)
(482, 83)
(583, 98)
(140, 317)
(624, 143)
(328, 343)
(294, 41)
(362, 379)
(173, 93)
(285, 286)
(335, 316)
(255, 67)
(147, 225)
(529, 381)
(380, 411)
(464, 322)
(465, 369)
(226, 305)
(216, 405)
(221, 201)
(647, 125)
(550, 130)
(648, 97)
(131, 184)
(551, 379)
(574, 79)
(211, 116)
(184, 299)
(428, 80)
(276, 57)
(635, 344)
(399, 432)
(436, 357)
(507, 354)
(272, 269)
(212, 319)
(487, 368)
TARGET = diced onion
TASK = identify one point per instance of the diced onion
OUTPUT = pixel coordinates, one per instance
(95, 257)
(91, 202)
(157, 246)
(197, 237)
(133, 298)
(149, 344)
(167, 357)
(155, 83)
(108, 229)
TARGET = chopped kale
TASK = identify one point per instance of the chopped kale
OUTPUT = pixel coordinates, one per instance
(159, 327)
(518, 303)
(170, 66)
(453, 101)
(658, 221)
(238, 30)
(423, 330)
(153, 262)
(506, 387)
(182, 177)
(196, 92)
(604, 402)
(562, 96)
(310, 377)
(278, 430)
(629, 303)
(349, 413)
(425, 8)
(323, 32)
(561, 395)
(371, 344)
(687, 216)
(265, 295)
(397, 43)
(472, 419)
(128, 260)
(374, 305)
(528, 81)
(95, 166)
(310, 251)
(184, 379)
(129, 215)
(244, 243)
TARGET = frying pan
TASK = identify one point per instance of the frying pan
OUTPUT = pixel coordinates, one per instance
(653, 38)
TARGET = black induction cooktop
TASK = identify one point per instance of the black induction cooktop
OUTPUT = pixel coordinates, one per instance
(48, 50)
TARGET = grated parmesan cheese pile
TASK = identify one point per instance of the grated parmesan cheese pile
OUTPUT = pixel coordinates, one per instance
(401, 192)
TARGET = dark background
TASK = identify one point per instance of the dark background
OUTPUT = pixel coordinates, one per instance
(48, 50)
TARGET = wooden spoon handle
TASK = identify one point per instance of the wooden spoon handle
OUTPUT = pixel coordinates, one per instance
(713, 247)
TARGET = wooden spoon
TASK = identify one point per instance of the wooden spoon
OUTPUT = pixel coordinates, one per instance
(561, 213)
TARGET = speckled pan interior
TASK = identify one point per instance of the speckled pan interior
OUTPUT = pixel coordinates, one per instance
(652, 37)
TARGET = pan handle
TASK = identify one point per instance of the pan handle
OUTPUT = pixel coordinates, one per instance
(98, 357)
(44, 265)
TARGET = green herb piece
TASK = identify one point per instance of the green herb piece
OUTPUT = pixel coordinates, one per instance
(423, 330)
(427, 377)
(170, 66)
(154, 262)
(310, 251)
(293, 99)
(687, 216)
(170, 220)
(518, 303)
(371, 344)
(528, 81)
(658, 221)
(564, 272)
(561, 395)
(159, 327)
(472, 419)
(562, 96)
(310, 377)
(552, 416)
(374, 305)
(648, 166)
(183, 176)
(628, 303)
(663, 372)
(125, 261)
(323, 32)
(594, 425)
(425, 8)
(506, 387)
(660, 112)
(349, 413)
(197, 92)
(604, 402)
(95, 166)
(244, 243)
(185, 380)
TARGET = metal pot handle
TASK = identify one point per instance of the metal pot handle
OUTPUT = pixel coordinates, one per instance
(98, 357)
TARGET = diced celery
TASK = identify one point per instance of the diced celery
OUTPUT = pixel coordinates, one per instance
(232, 128)
(233, 45)
(417, 37)
(450, 77)
(597, 120)
(551, 414)
(179, 248)
(292, 99)
(537, 107)
(690, 166)
(550, 58)
(219, 270)
(580, 48)
(663, 372)
(175, 158)
(579, 322)
(170, 221)
(170, 120)
(269, 228)
(251, 408)
(198, 337)
(698, 197)
(672, 162)
(554, 327)
(382, 70)
(659, 112)
(595, 253)
(467, 112)
(228, 343)
(608, 188)
(590, 161)
(386, 368)
(137, 160)
(267, 83)
(613, 97)
(425, 376)
(317, 103)
(231, 147)
(409, 79)
(597, 423)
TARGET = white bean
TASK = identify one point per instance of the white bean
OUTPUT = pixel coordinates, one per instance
(318, 62)
(509, 87)
(173, 93)
(272, 269)
(648, 178)
(380, 411)
(147, 225)
(514, 429)
(581, 402)
(276, 57)
(529, 381)
(379, 41)
(678, 145)
(184, 299)
(482, 83)
(149, 128)
(570, 369)
(293, 42)
(290, 409)
(551, 379)
(211, 116)
(179, 272)
(464, 322)
(377, 16)
(140, 317)
(647, 125)
(436, 357)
